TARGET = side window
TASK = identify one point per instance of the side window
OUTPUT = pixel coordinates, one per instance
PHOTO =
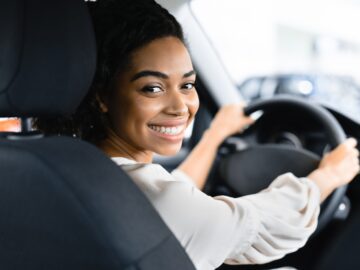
(270, 38)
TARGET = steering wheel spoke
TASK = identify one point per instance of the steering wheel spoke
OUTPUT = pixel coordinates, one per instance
(270, 161)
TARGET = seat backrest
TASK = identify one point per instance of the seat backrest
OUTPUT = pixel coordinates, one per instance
(63, 203)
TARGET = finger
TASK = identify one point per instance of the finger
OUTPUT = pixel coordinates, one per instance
(357, 169)
(356, 162)
(346, 146)
(350, 142)
(351, 159)
(355, 152)
(249, 120)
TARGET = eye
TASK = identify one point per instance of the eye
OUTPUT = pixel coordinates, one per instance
(152, 89)
(188, 86)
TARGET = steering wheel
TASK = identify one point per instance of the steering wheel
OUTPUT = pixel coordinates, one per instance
(250, 170)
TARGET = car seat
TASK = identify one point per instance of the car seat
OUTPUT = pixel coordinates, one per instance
(63, 203)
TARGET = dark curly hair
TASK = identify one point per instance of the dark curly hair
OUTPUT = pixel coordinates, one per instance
(121, 27)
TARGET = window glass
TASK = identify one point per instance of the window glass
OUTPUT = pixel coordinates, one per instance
(308, 48)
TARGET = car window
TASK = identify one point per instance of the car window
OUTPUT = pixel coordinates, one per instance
(286, 45)
(262, 37)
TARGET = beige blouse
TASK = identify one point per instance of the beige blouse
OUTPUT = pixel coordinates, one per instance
(252, 229)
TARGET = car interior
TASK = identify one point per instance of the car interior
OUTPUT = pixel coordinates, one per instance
(66, 205)
(285, 124)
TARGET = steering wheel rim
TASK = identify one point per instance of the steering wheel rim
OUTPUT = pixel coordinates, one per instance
(332, 130)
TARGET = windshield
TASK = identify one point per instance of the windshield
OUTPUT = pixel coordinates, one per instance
(308, 48)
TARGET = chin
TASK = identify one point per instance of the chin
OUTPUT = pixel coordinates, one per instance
(168, 151)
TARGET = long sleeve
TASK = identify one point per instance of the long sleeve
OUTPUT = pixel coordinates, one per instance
(247, 230)
(287, 215)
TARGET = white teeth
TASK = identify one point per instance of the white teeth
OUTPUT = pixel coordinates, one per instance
(167, 130)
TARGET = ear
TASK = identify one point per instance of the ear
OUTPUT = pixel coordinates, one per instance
(103, 107)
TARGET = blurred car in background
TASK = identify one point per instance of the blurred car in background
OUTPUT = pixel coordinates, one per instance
(340, 93)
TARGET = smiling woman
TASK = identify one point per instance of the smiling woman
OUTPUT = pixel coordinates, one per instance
(154, 101)
(142, 99)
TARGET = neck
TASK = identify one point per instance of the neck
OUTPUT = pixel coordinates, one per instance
(115, 146)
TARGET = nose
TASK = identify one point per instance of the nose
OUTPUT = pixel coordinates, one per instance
(177, 104)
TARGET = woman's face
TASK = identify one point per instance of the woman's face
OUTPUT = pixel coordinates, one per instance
(155, 99)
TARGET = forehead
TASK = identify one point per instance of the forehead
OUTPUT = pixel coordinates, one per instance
(163, 54)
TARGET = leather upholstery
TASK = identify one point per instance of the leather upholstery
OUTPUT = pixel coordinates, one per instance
(63, 203)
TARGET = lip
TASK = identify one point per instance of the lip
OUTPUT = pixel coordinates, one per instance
(169, 123)
(172, 138)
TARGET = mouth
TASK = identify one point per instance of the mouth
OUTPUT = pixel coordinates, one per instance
(170, 130)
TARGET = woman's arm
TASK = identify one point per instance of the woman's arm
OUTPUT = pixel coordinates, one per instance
(197, 165)
(229, 120)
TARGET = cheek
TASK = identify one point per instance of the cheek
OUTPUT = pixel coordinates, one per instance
(123, 112)
(193, 104)
(144, 109)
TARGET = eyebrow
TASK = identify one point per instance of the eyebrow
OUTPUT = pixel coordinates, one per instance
(146, 73)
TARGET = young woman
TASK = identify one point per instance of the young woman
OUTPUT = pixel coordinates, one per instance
(141, 102)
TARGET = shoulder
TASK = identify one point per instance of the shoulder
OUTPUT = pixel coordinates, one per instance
(151, 178)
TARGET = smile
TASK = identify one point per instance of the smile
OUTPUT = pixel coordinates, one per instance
(174, 130)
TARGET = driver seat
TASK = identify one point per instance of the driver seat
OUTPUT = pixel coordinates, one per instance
(63, 203)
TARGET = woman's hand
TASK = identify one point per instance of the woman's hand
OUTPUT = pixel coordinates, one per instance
(230, 119)
(337, 168)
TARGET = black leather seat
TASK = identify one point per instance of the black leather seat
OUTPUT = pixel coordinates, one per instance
(63, 203)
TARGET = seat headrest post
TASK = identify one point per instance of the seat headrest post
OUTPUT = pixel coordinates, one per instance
(26, 125)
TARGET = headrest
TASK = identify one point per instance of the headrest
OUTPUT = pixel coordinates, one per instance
(47, 56)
